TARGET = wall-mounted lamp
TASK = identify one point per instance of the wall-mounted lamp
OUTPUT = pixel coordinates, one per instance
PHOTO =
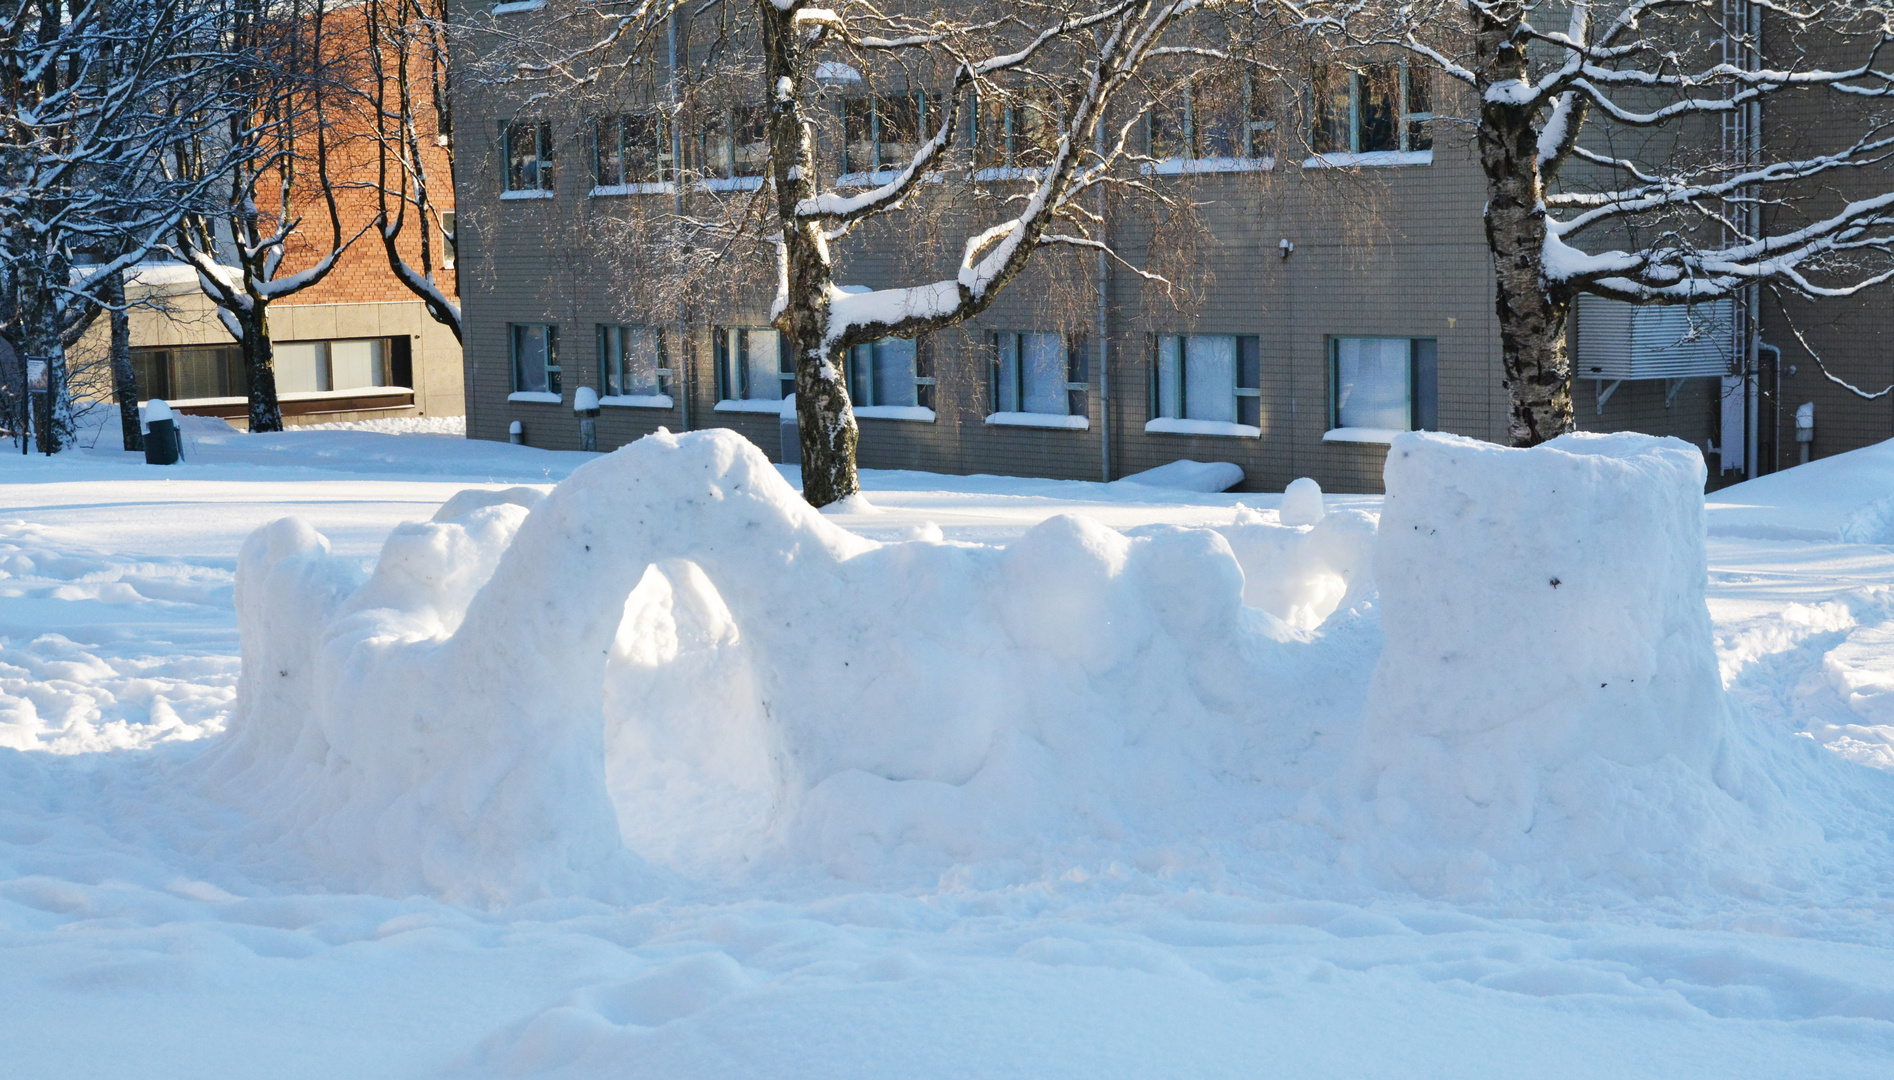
(1287, 247)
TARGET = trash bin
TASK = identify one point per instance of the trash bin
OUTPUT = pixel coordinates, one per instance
(162, 445)
(791, 436)
(585, 406)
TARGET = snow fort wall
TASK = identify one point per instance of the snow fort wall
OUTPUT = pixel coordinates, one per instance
(673, 655)
(1547, 706)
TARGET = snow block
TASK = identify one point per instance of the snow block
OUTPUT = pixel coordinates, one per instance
(1548, 701)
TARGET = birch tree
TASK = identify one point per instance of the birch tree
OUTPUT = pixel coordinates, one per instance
(1069, 79)
(1604, 132)
(84, 95)
(270, 159)
(409, 107)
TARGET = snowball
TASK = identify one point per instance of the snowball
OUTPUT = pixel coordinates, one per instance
(1301, 502)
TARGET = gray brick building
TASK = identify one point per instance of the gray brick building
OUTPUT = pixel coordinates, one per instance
(1335, 298)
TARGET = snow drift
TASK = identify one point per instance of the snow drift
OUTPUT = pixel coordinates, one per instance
(671, 661)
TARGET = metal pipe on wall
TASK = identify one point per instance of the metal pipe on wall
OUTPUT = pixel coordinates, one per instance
(1104, 327)
(681, 367)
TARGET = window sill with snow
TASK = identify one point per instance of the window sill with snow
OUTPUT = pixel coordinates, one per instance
(916, 414)
(1370, 160)
(637, 401)
(606, 190)
(1361, 435)
(754, 405)
(1165, 425)
(543, 396)
(1039, 420)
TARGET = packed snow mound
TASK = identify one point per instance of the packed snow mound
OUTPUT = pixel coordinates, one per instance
(1548, 706)
(672, 654)
(1204, 476)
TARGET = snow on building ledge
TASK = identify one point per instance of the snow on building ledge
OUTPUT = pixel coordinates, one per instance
(1039, 420)
(1165, 425)
(918, 414)
(756, 405)
(607, 190)
(1194, 166)
(1371, 160)
(1361, 435)
(535, 395)
(637, 401)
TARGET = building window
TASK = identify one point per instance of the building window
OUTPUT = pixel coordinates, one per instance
(631, 361)
(734, 144)
(888, 372)
(1213, 377)
(885, 131)
(527, 148)
(753, 364)
(304, 367)
(1017, 133)
(535, 358)
(1037, 373)
(1380, 107)
(449, 245)
(184, 374)
(1215, 119)
(1386, 384)
(630, 150)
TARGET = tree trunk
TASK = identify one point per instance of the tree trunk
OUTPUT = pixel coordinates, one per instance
(825, 420)
(124, 379)
(39, 332)
(259, 367)
(1531, 313)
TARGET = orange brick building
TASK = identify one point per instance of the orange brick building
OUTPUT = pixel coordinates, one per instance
(356, 345)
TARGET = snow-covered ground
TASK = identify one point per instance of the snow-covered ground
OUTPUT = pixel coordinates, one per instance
(1060, 827)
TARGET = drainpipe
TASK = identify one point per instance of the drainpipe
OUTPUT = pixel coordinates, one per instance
(681, 367)
(1104, 326)
(1775, 427)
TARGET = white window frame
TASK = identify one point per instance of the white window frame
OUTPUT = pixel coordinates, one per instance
(1423, 392)
(723, 175)
(862, 389)
(852, 173)
(545, 169)
(612, 351)
(618, 128)
(1246, 399)
(555, 374)
(733, 378)
(1072, 389)
(1407, 149)
(1257, 130)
